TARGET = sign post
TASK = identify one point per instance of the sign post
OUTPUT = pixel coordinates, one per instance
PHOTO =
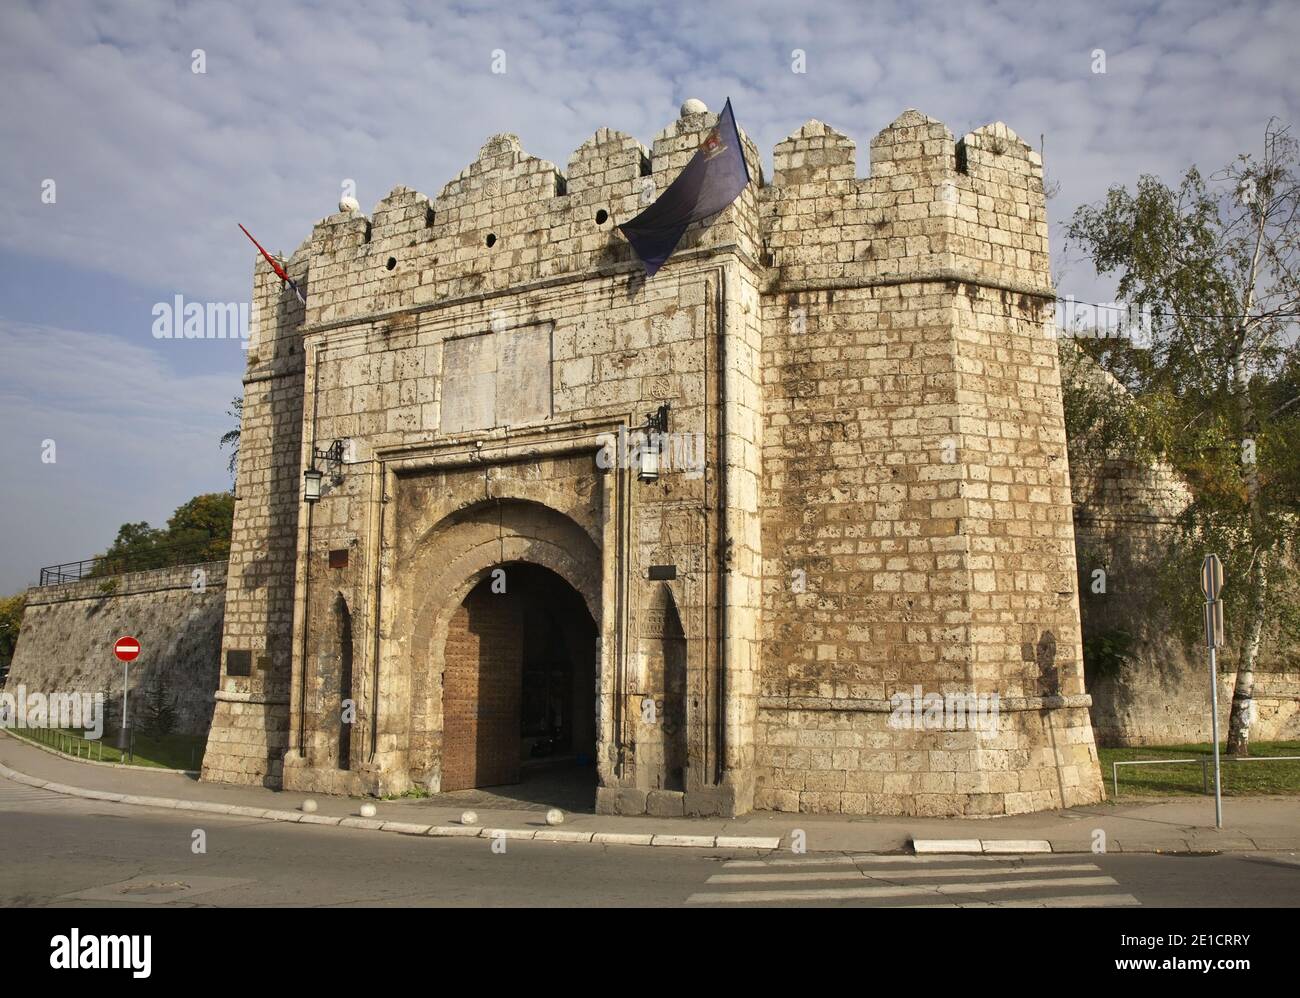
(1212, 586)
(126, 649)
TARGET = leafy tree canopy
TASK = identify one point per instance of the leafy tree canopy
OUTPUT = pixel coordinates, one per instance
(199, 530)
(11, 619)
(1210, 268)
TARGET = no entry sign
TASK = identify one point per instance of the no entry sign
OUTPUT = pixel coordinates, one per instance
(126, 649)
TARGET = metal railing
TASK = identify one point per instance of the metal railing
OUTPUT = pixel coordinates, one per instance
(70, 744)
(166, 555)
(1205, 762)
(93, 748)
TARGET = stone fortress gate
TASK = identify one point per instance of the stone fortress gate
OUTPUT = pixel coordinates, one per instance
(862, 495)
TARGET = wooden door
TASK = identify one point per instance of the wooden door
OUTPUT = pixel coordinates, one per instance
(482, 684)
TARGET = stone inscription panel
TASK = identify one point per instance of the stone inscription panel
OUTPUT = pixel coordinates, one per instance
(500, 378)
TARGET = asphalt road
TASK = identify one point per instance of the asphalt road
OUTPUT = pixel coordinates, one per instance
(68, 852)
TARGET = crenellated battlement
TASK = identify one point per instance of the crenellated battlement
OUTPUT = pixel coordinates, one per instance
(815, 154)
(928, 205)
(866, 490)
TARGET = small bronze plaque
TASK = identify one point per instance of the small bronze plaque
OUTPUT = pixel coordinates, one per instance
(339, 558)
(663, 572)
(239, 663)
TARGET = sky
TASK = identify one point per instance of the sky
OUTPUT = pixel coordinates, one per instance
(153, 163)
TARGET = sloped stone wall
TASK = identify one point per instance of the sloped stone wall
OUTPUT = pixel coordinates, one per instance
(1125, 517)
(68, 631)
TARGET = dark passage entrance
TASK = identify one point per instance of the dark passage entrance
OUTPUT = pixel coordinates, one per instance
(519, 679)
(344, 620)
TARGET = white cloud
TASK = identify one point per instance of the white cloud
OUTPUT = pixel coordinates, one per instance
(155, 164)
(133, 440)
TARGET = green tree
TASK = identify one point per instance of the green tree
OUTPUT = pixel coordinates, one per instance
(203, 526)
(199, 530)
(231, 437)
(1102, 421)
(1214, 383)
(136, 547)
(158, 711)
(11, 621)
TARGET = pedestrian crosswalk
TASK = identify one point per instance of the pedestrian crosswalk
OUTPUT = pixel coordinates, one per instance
(1035, 881)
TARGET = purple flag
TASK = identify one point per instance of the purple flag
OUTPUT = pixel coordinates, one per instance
(713, 179)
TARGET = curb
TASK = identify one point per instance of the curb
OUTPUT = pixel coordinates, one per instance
(920, 847)
(984, 847)
(403, 827)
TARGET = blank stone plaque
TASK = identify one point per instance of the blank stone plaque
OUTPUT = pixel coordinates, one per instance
(496, 379)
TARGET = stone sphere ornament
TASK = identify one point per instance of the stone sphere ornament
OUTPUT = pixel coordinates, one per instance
(367, 810)
(555, 816)
(469, 818)
(693, 105)
(309, 806)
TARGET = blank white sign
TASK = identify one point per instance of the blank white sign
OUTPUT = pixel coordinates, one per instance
(496, 379)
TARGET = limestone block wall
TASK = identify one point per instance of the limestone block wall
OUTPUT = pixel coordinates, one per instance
(917, 503)
(250, 723)
(68, 631)
(509, 221)
(387, 390)
(1163, 698)
(863, 361)
(1125, 518)
(862, 589)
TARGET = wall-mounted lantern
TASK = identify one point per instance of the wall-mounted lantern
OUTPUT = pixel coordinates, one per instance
(656, 425)
(311, 478)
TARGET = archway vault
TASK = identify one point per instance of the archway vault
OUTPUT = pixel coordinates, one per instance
(518, 689)
(427, 582)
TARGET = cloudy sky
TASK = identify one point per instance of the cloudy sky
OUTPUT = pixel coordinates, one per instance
(153, 163)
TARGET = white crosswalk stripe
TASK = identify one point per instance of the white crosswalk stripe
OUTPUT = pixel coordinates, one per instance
(753, 878)
(908, 881)
(836, 859)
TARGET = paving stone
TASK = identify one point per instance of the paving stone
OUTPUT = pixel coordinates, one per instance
(926, 847)
(1015, 846)
(371, 824)
(622, 839)
(688, 841)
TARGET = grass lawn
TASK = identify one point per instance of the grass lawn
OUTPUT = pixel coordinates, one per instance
(1239, 778)
(165, 752)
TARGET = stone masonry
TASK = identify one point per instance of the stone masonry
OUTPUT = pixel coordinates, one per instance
(1126, 514)
(881, 505)
(66, 641)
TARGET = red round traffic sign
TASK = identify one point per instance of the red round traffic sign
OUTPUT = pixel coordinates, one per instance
(126, 649)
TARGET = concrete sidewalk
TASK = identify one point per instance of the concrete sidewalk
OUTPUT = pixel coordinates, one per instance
(1184, 824)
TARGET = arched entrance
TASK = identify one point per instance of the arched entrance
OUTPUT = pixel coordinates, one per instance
(519, 681)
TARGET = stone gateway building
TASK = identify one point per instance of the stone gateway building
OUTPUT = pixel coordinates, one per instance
(753, 533)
